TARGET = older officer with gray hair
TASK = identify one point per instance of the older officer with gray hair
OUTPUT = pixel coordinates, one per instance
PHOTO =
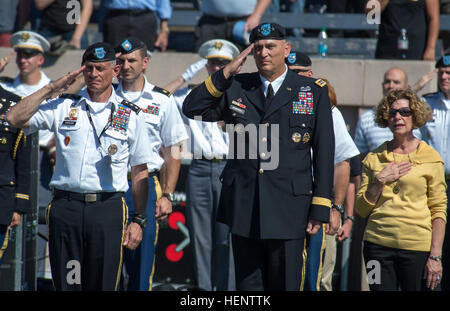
(97, 136)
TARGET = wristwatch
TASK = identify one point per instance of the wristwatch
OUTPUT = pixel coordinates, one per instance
(140, 219)
(339, 208)
(437, 258)
(352, 218)
(169, 196)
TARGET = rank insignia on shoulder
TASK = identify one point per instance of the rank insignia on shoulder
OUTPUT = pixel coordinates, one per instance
(74, 97)
(132, 106)
(161, 90)
(320, 82)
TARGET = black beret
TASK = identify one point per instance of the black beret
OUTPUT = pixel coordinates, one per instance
(298, 59)
(99, 52)
(129, 45)
(267, 31)
(444, 61)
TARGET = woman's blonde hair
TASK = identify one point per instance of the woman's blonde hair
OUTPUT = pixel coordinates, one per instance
(421, 112)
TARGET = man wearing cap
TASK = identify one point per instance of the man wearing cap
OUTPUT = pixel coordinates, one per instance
(270, 200)
(345, 149)
(165, 131)
(30, 48)
(436, 133)
(97, 136)
(211, 240)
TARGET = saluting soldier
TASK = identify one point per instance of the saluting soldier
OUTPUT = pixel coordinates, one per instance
(15, 156)
(166, 131)
(97, 136)
(270, 209)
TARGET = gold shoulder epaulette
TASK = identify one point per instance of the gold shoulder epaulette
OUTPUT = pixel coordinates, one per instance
(320, 82)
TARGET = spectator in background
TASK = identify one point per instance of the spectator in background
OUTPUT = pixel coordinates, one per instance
(436, 133)
(368, 135)
(7, 21)
(137, 18)
(211, 240)
(346, 6)
(403, 193)
(291, 6)
(220, 16)
(420, 18)
(70, 23)
(444, 8)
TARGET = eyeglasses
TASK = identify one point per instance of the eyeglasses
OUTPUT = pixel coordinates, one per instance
(404, 112)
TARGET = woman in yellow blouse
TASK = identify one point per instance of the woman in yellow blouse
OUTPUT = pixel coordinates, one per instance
(403, 194)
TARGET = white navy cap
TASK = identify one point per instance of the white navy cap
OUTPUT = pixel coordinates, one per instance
(29, 40)
(218, 48)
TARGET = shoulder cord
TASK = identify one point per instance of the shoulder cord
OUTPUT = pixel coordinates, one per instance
(16, 144)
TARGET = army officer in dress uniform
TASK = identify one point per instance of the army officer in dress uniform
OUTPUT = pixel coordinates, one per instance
(97, 135)
(15, 156)
(270, 209)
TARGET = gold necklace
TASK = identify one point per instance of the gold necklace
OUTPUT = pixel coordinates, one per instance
(396, 188)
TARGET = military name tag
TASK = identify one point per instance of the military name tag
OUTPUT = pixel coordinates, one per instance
(237, 109)
(112, 149)
(69, 122)
(296, 137)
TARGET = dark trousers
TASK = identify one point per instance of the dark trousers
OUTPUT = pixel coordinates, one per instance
(210, 27)
(117, 25)
(85, 243)
(446, 247)
(269, 264)
(4, 236)
(399, 269)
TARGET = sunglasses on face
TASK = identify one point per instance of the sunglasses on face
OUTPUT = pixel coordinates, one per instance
(404, 112)
(219, 62)
(26, 54)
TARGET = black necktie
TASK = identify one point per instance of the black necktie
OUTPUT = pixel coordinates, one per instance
(269, 96)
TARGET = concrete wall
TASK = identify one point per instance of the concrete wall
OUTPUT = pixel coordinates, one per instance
(357, 82)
